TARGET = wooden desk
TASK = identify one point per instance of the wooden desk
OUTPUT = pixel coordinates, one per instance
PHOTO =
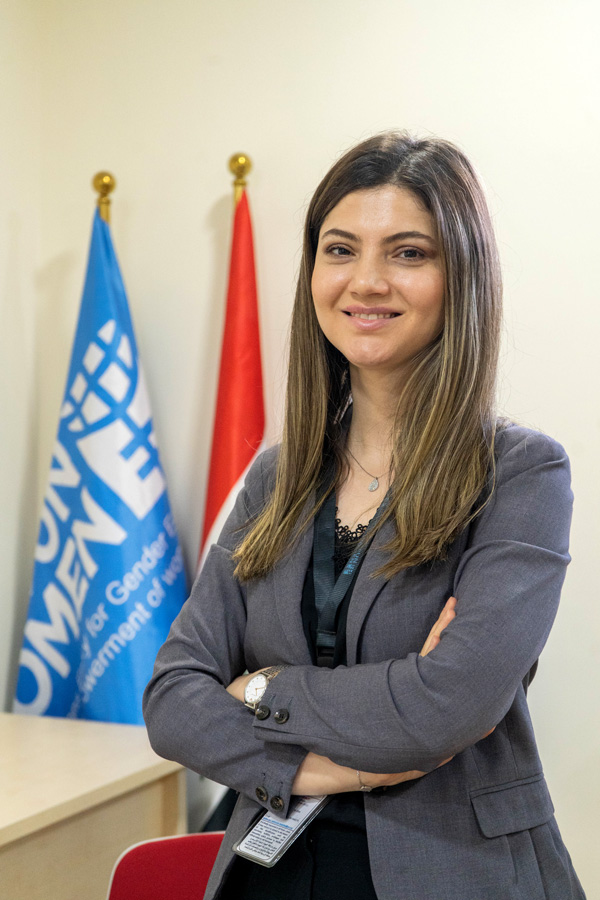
(73, 796)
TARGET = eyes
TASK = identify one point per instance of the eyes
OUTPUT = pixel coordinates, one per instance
(405, 254)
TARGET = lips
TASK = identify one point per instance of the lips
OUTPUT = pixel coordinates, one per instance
(370, 313)
(372, 316)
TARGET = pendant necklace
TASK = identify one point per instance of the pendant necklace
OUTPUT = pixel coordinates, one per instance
(375, 478)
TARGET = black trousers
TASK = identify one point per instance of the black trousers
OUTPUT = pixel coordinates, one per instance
(327, 861)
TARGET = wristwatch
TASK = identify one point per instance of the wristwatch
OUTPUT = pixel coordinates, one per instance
(257, 686)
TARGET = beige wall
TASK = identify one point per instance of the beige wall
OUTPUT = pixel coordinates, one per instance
(161, 94)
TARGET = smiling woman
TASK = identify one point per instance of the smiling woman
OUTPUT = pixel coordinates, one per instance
(420, 382)
(388, 577)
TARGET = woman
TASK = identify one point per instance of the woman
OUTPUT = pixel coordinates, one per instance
(393, 569)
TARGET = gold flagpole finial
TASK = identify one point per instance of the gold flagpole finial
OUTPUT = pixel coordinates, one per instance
(104, 183)
(239, 165)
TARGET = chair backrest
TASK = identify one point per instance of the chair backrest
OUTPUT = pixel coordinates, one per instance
(168, 868)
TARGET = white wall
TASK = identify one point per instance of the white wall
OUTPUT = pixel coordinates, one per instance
(161, 94)
(20, 389)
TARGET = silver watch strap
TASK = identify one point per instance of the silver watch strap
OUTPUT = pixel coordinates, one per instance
(272, 671)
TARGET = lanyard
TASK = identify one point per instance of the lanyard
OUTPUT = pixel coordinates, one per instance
(329, 593)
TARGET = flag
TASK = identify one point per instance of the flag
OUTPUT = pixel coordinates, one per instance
(108, 574)
(240, 416)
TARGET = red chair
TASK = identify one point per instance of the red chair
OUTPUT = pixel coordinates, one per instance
(168, 868)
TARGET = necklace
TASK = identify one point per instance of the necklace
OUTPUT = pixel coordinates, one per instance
(375, 482)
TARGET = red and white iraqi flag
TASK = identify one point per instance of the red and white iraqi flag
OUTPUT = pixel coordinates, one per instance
(240, 415)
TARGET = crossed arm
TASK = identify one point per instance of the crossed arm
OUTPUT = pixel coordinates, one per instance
(508, 583)
(318, 774)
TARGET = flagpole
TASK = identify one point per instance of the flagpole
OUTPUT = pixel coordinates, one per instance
(239, 165)
(104, 183)
(238, 431)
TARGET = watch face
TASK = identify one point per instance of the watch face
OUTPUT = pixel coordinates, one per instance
(255, 689)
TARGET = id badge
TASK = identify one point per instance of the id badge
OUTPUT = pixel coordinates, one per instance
(269, 838)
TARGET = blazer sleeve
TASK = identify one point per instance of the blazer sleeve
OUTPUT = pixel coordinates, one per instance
(412, 713)
(189, 715)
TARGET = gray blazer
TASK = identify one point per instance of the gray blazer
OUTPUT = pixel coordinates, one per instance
(480, 827)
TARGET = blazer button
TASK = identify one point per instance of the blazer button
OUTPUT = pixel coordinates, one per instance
(263, 712)
(277, 804)
(281, 716)
(262, 795)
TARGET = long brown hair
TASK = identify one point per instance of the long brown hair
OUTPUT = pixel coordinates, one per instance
(443, 440)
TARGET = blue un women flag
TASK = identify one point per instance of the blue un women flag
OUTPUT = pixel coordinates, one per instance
(108, 577)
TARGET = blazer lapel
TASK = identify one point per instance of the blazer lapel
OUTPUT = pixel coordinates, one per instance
(366, 589)
(288, 581)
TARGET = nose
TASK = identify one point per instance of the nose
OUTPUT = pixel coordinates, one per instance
(368, 277)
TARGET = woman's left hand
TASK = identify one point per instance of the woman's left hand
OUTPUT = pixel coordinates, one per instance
(446, 616)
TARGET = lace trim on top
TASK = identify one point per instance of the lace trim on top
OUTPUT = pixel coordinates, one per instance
(345, 541)
(344, 535)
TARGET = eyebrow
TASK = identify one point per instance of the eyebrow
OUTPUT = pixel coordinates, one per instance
(399, 236)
